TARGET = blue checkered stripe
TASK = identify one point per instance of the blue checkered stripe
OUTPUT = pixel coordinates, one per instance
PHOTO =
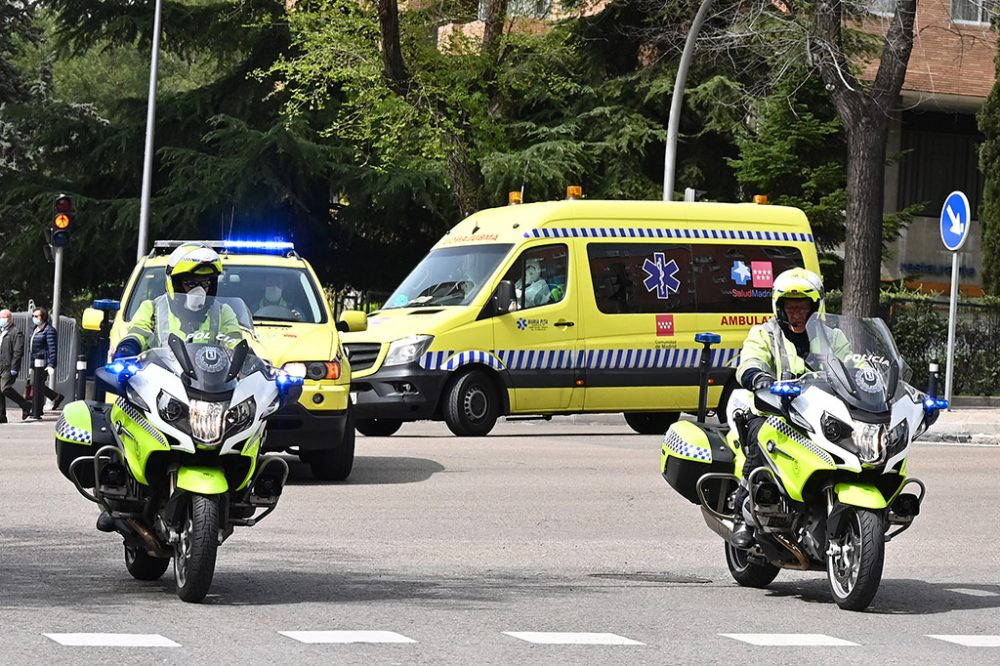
(788, 431)
(594, 359)
(675, 443)
(141, 421)
(675, 234)
(71, 433)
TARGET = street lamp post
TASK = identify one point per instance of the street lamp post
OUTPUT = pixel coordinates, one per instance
(147, 159)
(670, 157)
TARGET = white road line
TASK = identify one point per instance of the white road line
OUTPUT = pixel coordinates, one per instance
(112, 640)
(974, 593)
(571, 638)
(968, 641)
(790, 640)
(347, 637)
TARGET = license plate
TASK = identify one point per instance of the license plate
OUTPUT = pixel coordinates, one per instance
(354, 397)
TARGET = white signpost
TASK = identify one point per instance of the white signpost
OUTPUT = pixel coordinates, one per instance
(956, 218)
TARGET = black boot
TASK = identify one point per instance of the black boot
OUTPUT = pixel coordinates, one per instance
(105, 522)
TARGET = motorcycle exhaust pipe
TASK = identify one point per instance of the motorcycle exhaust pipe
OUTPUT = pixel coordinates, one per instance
(802, 563)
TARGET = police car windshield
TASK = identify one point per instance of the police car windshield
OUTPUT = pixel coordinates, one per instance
(272, 294)
(448, 276)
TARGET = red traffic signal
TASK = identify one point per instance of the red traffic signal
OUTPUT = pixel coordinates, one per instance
(62, 220)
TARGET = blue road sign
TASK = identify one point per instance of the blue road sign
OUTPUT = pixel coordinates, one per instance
(956, 218)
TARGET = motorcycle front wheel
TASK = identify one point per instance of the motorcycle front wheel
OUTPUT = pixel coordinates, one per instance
(854, 567)
(194, 553)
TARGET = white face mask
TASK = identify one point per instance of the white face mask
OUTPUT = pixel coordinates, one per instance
(195, 299)
(4, 323)
(272, 294)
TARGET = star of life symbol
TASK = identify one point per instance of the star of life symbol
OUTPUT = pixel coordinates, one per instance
(522, 324)
(740, 273)
(661, 275)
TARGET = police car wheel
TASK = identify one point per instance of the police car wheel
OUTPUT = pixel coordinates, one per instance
(654, 423)
(472, 405)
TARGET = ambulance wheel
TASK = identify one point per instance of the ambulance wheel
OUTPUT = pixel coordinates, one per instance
(651, 423)
(377, 427)
(471, 405)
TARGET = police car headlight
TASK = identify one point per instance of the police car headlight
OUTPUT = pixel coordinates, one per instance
(408, 349)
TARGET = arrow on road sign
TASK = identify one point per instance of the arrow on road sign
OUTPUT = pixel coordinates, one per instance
(956, 222)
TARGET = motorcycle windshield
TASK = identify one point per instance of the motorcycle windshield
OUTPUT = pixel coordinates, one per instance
(858, 358)
(202, 345)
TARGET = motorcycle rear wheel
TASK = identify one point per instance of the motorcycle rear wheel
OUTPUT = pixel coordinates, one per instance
(194, 553)
(856, 571)
(143, 566)
(747, 573)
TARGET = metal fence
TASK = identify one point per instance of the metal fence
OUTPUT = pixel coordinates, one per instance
(65, 357)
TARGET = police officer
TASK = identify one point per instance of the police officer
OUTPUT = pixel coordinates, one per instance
(192, 275)
(773, 351)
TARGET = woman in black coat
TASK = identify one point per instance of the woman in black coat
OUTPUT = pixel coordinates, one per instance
(44, 344)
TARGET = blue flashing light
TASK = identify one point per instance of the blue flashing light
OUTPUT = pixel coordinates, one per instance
(710, 338)
(932, 404)
(273, 246)
(783, 389)
(284, 380)
(107, 305)
(123, 369)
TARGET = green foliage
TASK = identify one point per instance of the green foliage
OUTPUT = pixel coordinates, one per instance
(989, 210)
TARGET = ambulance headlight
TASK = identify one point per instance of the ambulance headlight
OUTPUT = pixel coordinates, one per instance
(408, 349)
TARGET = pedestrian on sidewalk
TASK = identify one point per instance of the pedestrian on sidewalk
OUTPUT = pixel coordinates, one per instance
(44, 344)
(11, 353)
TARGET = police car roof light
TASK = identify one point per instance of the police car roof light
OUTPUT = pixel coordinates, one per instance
(107, 305)
(232, 246)
(710, 338)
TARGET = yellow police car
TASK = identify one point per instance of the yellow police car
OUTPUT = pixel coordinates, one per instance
(295, 329)
(573, 306)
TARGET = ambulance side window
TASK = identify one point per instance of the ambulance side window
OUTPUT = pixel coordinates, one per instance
(642, 277)
(539, 276)
(738, 278)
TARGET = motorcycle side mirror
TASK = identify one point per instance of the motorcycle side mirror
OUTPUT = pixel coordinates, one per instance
(239, 357)
(176, 345)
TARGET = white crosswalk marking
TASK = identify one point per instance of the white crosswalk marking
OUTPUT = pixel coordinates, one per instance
(571, 638)
(974, 593)
(112, 640)
(790, 640)
(347, 636)
(968, 641)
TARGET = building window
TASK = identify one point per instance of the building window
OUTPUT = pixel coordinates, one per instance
(971, 11)
(528, 8)
(882, 7)
(940, 154)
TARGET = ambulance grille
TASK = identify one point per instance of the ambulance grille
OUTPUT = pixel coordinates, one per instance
(362, 355)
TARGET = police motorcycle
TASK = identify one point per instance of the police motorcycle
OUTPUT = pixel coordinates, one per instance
(174, 461)
(836, 444)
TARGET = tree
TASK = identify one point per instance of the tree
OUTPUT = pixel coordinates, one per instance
(840, 42)
(989, 164)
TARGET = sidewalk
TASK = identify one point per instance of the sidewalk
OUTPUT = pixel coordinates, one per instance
(970, 425)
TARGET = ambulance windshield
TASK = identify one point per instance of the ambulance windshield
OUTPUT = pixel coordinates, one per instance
(448, 276)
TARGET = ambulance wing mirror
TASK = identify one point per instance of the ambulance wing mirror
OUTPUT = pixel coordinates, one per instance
(503, 297)
(352, 321)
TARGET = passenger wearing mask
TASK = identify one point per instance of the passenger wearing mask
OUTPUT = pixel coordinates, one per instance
(537, 291)
(11, 354)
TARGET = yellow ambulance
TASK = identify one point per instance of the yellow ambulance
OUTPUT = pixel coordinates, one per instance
(294, 328)
(570, 307)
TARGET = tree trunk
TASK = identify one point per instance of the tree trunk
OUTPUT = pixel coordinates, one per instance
(866, 146)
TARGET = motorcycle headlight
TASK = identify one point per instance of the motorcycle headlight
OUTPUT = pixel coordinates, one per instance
(238, 417)
(206, 420)
(870, 440)
(170, 408)
(834, 429)
(899, 437)
(407, 350)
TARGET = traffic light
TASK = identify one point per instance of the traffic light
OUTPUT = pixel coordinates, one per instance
(62, 220)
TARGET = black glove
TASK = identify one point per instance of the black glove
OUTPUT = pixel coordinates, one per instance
(762, 381)
(127, 347)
